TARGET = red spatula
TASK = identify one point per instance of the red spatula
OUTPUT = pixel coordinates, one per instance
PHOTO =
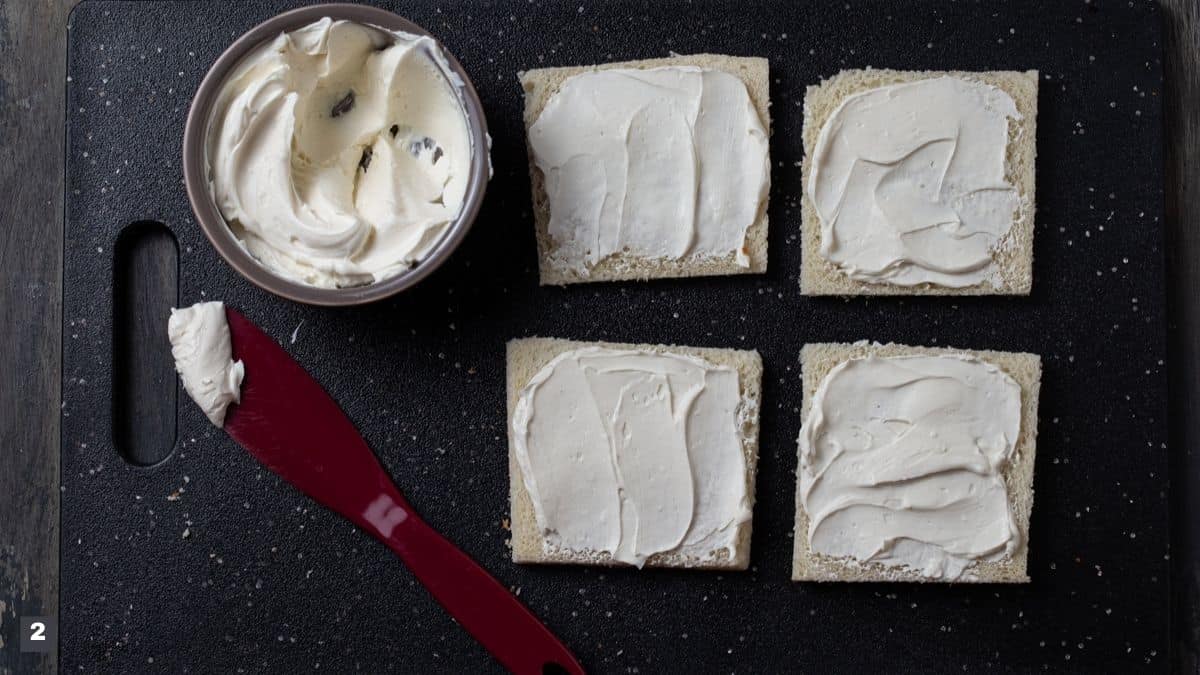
(291, 425)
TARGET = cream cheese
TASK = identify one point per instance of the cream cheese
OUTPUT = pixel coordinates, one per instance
(902, 461)
(634, 453)
(909, 184)
(665, 163)
(339, 153)
(204, 358)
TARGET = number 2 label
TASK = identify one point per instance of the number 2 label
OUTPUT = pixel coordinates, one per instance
(39, 634)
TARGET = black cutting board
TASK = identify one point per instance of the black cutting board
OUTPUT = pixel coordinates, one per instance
(265, 581)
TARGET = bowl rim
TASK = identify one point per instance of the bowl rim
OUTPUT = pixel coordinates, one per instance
(217, 230)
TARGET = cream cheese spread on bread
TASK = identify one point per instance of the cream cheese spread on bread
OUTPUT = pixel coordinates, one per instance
(339, 153)
(909, 183)
(902, 463)
(204, 358)
(668, 163)
(634, 453)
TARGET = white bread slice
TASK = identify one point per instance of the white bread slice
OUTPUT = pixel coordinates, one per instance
(818, 359)
(1013, 254)
(541, 84)
(527, 356)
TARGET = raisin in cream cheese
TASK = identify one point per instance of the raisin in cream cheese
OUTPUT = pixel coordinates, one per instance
(902, 462)
(633, 453)
(204, 358)
(339, 153)
(665, 163)
(909, 183)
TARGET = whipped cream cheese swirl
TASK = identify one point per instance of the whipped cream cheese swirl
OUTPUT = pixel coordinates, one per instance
(633, 453)
(664, 163)
(902, 461)
(339, 153)
(909, 183)
(203, 355)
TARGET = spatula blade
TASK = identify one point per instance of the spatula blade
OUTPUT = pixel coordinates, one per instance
(287, 421)
(290, 424)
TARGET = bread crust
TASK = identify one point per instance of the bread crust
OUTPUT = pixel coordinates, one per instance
(816, 362)
(541, 84)
(527, 356)
(1014, 252)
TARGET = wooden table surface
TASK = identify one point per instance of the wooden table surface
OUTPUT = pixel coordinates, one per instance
(32, 80)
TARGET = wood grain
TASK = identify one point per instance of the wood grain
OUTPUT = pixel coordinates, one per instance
(145, 288)
(1182, 111)
(32, 78)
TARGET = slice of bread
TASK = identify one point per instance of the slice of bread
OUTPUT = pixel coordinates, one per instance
(817, 360)
(1013, 254)
(541, 84)
(529, 355)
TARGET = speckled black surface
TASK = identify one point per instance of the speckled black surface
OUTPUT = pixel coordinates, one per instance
(266, 582)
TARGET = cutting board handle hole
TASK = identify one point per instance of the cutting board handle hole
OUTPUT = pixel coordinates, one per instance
(145, 392)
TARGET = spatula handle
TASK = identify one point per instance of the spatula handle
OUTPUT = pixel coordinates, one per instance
(290, 424)
(485, 608)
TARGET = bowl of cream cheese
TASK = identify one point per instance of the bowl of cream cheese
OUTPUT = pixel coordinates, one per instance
(336, 154)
